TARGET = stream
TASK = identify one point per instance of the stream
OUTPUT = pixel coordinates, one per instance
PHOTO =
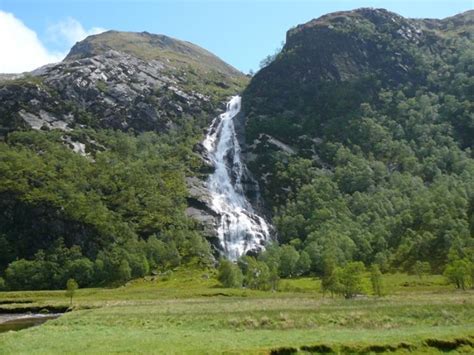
(24, 320)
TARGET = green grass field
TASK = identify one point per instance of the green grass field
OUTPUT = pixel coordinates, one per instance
(190, 313)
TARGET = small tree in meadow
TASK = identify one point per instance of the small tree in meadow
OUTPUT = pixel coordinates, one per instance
(376, 280)
(458, 272)
(421, 268)
(257, 274)
(230, 274)
(329, 280)
(71, 287)
(350, 279)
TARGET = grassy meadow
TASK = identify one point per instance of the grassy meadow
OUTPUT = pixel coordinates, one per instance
(188, 312)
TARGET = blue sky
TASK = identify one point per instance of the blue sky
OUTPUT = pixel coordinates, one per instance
(240, 32)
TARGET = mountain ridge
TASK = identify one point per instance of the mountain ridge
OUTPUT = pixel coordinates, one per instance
(148, 46)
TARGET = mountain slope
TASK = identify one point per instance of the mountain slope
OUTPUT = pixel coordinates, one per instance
(95, 156)
(360, 132)
(121, 80)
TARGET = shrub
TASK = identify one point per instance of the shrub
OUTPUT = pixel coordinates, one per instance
(288, 261)
(229, 274)
(256, 273)
(458, 272)
(376, 280)
(124, 271)
(350, 279)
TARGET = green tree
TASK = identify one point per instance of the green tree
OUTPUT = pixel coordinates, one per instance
(71, 287)
(274, 278)
(288, 261)
(229, 274)
(376, 280)
(458, 272)
(350, 279)
(329, 280)
(81, 270)
(421, 268)
(271, 256)
(31, 274)
(304, 263)
(256, 274)
(124, 271)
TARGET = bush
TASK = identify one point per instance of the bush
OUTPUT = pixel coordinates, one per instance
(288, 261)
(30, 275)
(81, 270)
(350, 279)
(230, 274)
(124, 271)
(376, 280)
(256, 274)
(304, 263)
(458, 272)
(421, 268)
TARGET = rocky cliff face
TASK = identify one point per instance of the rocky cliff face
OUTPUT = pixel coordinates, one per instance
(122, 81)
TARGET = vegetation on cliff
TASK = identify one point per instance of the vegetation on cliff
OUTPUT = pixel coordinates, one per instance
(376, 117)
(111, 215)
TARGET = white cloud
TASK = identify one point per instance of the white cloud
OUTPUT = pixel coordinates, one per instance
(20, 48)
(70, 31)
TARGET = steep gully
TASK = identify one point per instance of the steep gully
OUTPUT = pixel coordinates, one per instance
(240, 228)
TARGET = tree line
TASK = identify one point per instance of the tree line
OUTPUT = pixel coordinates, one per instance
(265, 271)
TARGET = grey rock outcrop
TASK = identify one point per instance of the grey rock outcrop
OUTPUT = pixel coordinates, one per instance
(120, 80)
(110, 90)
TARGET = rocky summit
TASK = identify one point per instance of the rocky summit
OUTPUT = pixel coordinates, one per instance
(120, 80)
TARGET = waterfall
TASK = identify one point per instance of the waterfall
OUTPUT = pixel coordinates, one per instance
(240, 228)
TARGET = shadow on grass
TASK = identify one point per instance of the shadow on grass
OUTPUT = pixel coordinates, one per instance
(440, 344)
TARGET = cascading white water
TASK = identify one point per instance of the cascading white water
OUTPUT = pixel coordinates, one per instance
(240, 229)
